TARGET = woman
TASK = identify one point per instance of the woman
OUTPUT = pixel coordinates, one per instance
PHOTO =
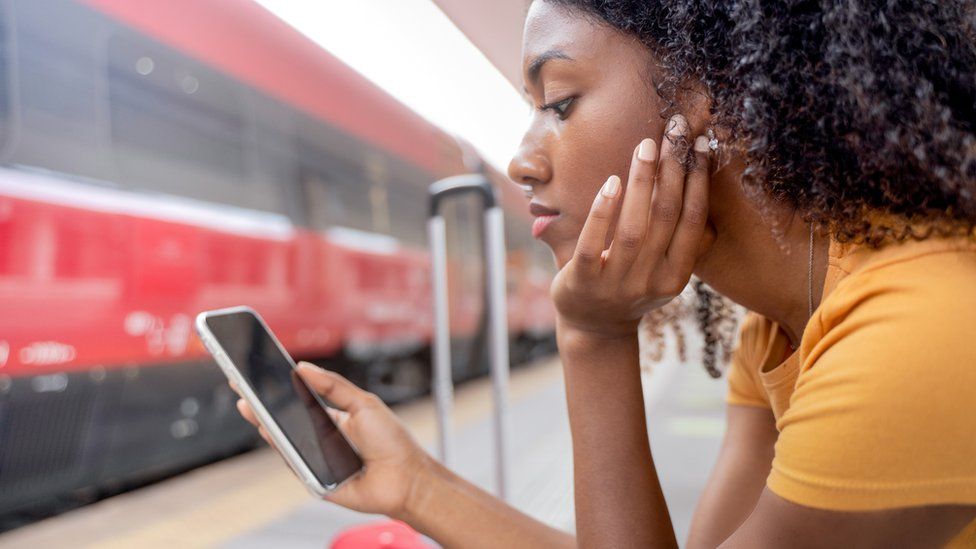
(828, 188)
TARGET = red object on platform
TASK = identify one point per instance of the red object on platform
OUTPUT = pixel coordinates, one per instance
(380, 535)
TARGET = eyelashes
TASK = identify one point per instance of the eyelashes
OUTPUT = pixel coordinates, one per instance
(561, 108)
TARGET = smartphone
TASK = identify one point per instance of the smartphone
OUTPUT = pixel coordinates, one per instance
(294, 416)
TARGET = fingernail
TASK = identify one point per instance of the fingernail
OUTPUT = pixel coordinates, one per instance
(677, 126)
(647, 150)
(701, 144)
(611, 187)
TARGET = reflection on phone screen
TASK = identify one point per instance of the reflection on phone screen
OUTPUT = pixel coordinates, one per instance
(299, 412)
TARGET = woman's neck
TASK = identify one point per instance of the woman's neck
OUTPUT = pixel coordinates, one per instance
(767, 274)
(791, 316)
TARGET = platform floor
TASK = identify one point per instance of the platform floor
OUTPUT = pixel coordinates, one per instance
(252, 501)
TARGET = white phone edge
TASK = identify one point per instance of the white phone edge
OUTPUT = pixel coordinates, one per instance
(285, 447)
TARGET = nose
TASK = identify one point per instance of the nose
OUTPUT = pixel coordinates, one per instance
(529, 166)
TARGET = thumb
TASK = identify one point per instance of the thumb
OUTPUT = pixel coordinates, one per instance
(336, 389)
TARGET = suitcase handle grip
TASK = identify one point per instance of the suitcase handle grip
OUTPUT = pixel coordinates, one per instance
(461, 184)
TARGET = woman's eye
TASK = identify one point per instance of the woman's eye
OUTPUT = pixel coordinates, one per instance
(561, 108)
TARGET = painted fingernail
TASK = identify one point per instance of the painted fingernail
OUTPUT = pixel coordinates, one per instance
(677, 126)
(611, 187)
(647, 150)
(701, 144)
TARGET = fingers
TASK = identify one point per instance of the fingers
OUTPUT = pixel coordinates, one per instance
(338, 416)
(267, 438)
(683, 250)
(631, 227)
(593, 237)
(246, 412)
(667, 197)
(336, 389)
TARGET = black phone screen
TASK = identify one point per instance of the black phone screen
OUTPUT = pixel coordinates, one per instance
(297, 410)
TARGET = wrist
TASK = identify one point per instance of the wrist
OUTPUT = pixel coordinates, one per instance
(574, 338)
(423, 482)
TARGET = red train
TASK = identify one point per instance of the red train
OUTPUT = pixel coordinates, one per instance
(159, 158)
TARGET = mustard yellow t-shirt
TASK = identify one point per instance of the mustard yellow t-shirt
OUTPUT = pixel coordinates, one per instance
(877, 408)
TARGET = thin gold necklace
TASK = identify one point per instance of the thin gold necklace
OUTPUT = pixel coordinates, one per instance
(810, 279)
(789, 344)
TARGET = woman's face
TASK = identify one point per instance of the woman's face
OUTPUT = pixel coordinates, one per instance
(593, 95)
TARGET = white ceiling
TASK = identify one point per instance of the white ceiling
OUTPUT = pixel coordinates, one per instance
(495, 27)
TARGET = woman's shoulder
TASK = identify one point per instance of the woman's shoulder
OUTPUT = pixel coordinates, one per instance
(755, 332)
(745, 387)
(907, 304)
(907, 255)
(882, 413)
(918, 281)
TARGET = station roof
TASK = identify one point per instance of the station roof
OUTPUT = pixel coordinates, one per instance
(495, 27)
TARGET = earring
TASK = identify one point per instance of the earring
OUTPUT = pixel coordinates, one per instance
(712, 140)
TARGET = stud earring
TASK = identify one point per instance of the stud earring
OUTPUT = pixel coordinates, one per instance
(712, 140)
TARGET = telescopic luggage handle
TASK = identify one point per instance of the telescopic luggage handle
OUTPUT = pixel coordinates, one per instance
(494, 241)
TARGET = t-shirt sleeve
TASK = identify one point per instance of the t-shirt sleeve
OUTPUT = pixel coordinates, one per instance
(743, 374)
(884, 413)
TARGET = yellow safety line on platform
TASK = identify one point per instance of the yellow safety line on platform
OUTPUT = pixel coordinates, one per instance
(278, 493)
(223, 518)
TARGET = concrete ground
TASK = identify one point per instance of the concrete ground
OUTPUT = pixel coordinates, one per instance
(252, 501)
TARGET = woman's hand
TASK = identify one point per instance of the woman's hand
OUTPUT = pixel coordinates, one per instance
(394, 462)
(656, 240)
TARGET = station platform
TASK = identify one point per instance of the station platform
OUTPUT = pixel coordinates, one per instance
(252, 501)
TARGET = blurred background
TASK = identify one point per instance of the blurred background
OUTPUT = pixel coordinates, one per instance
(163, 157)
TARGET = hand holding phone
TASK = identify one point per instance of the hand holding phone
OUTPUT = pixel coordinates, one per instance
(395, 465)
(293, 416)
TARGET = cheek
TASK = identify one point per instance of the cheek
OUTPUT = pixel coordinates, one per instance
(598, 143)
(595, 142)
(611, 127)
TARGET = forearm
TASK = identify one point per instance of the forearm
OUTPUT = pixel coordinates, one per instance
(456, 513)
(619, 502)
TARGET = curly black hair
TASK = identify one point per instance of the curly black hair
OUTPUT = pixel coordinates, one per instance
(859, 114)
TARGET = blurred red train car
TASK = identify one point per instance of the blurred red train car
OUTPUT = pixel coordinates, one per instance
(159, 158)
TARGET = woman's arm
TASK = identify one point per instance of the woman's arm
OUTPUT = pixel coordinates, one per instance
(619, 502)
(738, 478)
(456, 513)
(656, 227)
(401, 481)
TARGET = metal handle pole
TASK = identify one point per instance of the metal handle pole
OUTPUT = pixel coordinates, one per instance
(494, 225)
(495, 257)
(443, 385)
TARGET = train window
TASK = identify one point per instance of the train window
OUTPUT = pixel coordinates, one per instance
(58, 83)
(379, 200)
(177, 127)
(316, 200)
(335, 199)
(408, 216)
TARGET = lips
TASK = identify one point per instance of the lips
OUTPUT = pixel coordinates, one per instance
(544, 216)
(539, 210)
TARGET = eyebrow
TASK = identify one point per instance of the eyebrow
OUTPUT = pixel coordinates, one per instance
(535, 67)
